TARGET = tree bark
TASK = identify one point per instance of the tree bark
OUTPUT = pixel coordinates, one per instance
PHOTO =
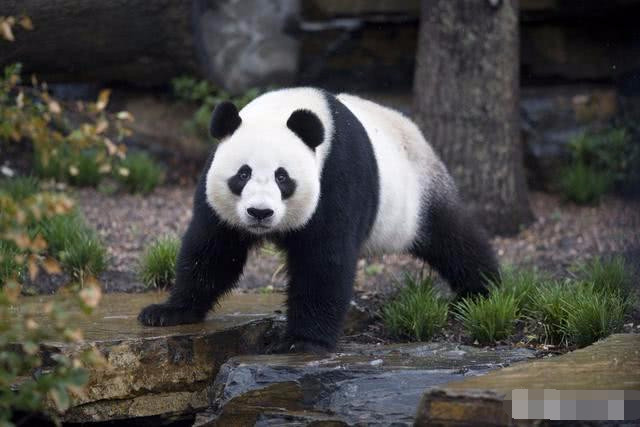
(94, 40)
(466, 102)
(236, 44)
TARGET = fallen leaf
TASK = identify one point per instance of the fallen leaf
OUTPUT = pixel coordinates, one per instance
(101, 126)
(25, 22)
(103, 99)
(33, 267)
(51, 266)
(5, 30)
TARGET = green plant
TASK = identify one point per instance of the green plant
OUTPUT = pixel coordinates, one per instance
(9, 265)
(417, 312)
(208, 96)
(584, 184)
(19, 188)
(488, 319)
(139, 173)
(520, 283)
(548, 310)
(76, 153)
(592, 314)
(76, 245)
(599, 160)
(158, 263)
(610, 275)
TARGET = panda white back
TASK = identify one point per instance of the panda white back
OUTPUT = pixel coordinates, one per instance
(406, 164)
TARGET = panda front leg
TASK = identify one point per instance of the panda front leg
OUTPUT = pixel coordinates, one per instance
(319, 293)
(211, 259)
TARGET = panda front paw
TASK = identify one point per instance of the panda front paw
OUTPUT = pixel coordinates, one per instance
(167, 315)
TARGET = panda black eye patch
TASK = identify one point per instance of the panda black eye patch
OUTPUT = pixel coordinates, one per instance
(285, 183)
(237, 182)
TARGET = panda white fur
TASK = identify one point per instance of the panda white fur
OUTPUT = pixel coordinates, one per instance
(325, 177)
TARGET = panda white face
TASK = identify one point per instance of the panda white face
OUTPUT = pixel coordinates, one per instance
(264, 179)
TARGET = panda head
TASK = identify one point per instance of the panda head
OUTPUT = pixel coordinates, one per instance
(265, 175)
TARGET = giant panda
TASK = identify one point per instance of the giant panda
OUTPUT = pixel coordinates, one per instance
(326, 178)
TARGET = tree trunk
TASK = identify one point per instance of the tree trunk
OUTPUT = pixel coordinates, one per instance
(466, 102)
(236, 44)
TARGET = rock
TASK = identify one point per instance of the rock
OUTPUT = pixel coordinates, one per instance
(359, 385)
(246, 44)
(162, 371)
(165, 371)
(611, 364)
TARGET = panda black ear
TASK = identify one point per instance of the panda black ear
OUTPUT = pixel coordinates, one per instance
(225, 120)
(307, 126)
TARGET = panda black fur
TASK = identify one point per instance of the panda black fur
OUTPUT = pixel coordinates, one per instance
(325, 177)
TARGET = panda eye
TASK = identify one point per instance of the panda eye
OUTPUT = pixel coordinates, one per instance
(244, 173)
(281, 175)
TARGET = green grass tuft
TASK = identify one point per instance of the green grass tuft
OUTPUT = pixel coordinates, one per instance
(610, 275)
(584, 184)
(548, 310)
(488, 319)
(76, 245)
(158, 263)
(520, 283)
(591, 314)
(19, 188)
(83, 168)
(9, 267)
(417, 312)
(139, 173)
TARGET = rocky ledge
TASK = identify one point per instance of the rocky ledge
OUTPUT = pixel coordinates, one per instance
(360, 385)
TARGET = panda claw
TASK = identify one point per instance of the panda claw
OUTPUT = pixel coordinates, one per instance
(167, 315)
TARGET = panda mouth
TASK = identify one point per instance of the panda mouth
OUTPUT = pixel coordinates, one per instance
(259, 227)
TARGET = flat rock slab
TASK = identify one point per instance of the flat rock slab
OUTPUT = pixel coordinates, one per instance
(162, 371)
(368, 385)
(610, 364)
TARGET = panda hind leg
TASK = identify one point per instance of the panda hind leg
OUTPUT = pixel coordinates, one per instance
(457, 248)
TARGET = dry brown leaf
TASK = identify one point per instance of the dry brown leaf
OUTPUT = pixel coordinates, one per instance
(25, 22)
(51, 266)
(111, 147)
(91, 293)
(54, 106)
(124, 115)
(38, 244)
(101, 126)
(33, 267)
(5, 29)
(103, 99)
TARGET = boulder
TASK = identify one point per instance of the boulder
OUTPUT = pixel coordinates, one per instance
(594, 372)
(359, 385)
(162, 371)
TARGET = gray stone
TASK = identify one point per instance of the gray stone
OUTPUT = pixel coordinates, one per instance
(246, 43)
(610, 364)
(361, 384)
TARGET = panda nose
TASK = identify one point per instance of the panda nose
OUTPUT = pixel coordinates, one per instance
(260, 214)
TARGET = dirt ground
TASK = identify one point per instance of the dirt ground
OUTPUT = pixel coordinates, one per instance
(561, 234)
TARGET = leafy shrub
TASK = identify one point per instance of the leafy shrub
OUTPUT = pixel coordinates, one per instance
(592, 314)
(488, 319)
(584, 184)
(599, 161)
(208, 96)
(19, 188)
(79, 155)
(139, 173)
(158, 264)
(417, 312)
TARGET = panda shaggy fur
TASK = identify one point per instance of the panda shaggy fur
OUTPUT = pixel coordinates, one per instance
(326, 178)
